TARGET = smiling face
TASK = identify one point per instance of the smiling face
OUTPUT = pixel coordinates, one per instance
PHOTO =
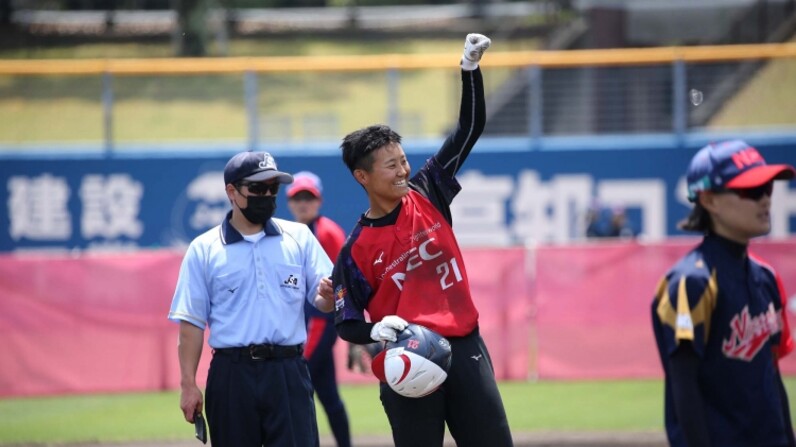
(737, 218)
(387, 180)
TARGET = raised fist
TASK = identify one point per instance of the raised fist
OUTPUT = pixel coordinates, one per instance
(474, 47)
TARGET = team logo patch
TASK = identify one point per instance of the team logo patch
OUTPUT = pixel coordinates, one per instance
(750, 333)
(339, 297)
(291, 282)
(268, 162)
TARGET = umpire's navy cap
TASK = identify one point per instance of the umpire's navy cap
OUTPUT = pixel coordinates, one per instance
(254, 167)
(731, 164)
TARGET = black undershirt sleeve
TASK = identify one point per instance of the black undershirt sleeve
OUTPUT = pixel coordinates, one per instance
(472, 120)
(688, 403)
(354, 331)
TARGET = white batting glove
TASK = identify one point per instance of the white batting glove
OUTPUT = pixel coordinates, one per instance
(388, 328)
(474, 47)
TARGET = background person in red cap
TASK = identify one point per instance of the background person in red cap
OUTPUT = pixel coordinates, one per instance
(304, 200)
(718, 313)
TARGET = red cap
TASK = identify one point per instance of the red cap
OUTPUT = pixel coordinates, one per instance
(760, 175)
(305, 181)
(731, 164)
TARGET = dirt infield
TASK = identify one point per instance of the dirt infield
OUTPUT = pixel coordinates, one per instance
(536, 439)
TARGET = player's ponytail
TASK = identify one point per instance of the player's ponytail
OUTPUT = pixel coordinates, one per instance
(698, 220)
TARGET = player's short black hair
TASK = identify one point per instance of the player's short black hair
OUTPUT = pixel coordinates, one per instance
(358, 146)
(699, 220)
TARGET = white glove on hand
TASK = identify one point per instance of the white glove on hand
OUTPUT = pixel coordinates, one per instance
(388, 328)
(474, 47)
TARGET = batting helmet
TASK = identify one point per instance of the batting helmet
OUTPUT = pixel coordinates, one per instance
(416, 364)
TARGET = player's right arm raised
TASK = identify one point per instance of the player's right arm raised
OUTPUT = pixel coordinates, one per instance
(472, 109)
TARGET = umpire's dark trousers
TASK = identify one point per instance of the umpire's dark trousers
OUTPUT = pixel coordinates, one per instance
(260, 397)
(469, 402)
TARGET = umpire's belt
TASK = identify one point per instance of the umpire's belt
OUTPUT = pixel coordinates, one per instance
(263, 351)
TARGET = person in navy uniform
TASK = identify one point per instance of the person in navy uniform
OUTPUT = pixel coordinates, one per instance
(247, 281)
(718, 314)
(304, 198)
(402, 264)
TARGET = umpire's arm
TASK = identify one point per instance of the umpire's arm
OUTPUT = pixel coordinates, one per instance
(191, 340)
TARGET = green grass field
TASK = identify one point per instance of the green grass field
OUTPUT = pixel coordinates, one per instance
(632, 405)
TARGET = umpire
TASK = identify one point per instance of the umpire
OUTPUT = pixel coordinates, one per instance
(247, 280)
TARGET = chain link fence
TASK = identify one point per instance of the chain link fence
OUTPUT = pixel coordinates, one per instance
(295, 103)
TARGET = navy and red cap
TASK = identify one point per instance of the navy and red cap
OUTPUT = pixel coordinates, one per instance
(305, 181)
(731, 164)
(254, 167)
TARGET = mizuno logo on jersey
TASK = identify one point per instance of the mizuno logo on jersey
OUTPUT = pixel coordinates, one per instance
(380, 259)
(750, 334)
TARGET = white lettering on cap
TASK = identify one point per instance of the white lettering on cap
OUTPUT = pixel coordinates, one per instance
(268, 162)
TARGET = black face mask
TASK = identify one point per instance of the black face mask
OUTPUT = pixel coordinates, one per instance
(259, 209)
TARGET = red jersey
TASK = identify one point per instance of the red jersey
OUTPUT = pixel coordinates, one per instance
(411, 267)
(408, 262)
(329, 234)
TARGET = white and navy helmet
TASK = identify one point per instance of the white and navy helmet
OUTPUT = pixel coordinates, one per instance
(416, 364)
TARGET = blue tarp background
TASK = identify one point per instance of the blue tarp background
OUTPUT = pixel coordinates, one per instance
(167, 199)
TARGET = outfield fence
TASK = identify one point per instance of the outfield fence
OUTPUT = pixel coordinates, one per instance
(275, 102)
(97, 323)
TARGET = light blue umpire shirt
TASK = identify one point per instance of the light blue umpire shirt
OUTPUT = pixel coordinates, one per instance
(250, 292)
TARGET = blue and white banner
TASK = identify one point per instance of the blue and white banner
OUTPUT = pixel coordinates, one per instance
(509, 197)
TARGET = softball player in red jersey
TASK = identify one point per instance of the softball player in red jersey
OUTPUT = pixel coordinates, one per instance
(718, 313)
(401, 263)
